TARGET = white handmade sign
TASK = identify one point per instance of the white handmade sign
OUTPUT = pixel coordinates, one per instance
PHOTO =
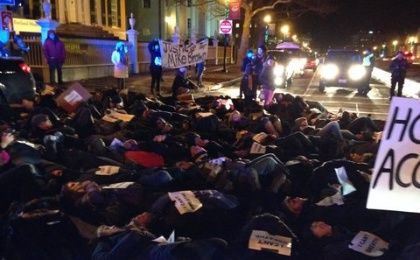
(107, 170)
(177, 55)
(263, 241)
(256, 148)
(119, 185)
(336, 199)
(368, 244)
(346, 184)
(185, 201)
(395, 183)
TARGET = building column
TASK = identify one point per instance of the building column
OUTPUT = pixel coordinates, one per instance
(86, 9)
(123, 16)
(79, 8)
(98, 8)
(61, 7)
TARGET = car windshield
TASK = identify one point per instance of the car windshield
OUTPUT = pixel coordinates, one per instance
(344, 57)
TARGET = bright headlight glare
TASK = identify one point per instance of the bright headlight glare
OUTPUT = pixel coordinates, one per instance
(329, 71)
(278, 81)
(278, 70)
(357, 72)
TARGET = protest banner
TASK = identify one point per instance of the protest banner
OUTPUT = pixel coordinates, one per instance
(263, 241)
(368, 244)
(178, 55)
(395, 183)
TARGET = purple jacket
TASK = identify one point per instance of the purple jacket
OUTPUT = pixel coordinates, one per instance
(54, 51)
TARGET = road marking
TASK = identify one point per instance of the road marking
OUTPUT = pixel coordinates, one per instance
(310, 83)
(357, 109)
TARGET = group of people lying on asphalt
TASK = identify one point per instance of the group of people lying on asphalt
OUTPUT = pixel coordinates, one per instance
(205, 178)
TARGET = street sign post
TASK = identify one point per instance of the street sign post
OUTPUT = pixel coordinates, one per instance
(225, 28)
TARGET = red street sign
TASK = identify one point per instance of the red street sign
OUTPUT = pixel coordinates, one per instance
(7, 21)
(225, 26)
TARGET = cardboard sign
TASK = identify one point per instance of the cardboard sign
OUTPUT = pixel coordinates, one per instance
(115, 116)
(260, 137)
(185, 201)
(70, 99)
(177, 55)
(395, 181)
(346, 184)
(368, 244)
(107, 170)
(119, 185)
(263, 241)
(256, 148)
(336, 199)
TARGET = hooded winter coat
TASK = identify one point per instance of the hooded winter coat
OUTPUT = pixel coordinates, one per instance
(54, 50)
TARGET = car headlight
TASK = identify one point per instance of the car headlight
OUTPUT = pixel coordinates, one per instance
(329, 71)
(357, 72)
(278, 81)
(278, 70)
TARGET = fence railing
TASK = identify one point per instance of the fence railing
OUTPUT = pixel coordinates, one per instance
(91, 58)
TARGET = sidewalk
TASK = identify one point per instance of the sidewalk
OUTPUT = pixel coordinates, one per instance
(213, 79)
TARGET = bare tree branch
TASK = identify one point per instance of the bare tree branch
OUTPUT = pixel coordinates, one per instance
(269, 7)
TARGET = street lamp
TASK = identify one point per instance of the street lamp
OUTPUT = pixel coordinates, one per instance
(285, 31)
(267, 20)
(395, 43)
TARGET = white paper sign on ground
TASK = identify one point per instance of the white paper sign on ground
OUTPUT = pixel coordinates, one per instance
(256, 148)
(73, 98)
(368, 244)
(263, 241)
(119, 185)
(107, 170)
(114, 116)
(185, 201)
(346, 184)
(336, 199)
(395, 183)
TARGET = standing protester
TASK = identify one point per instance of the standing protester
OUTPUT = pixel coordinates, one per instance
(155, 67)
(398, 69)
(368, 63)
(55, 54)
(267, 80)
(259, 63)
(199, 70)
(247, 60)
(248, 85)
(120, 60)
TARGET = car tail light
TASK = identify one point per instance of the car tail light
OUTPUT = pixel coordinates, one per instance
(25, 68)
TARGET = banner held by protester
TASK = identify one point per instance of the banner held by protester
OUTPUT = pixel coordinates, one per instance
(395, 181)
(176, 56)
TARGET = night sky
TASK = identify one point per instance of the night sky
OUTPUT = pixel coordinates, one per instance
(392, 17)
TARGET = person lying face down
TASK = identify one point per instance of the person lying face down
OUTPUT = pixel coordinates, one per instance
(97, 205)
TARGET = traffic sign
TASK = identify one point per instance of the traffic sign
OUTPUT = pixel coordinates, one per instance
(225, 26)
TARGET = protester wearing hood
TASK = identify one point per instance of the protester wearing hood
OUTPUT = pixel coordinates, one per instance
(55, 54)
(155, 67)
(181, 84)
(120, 60)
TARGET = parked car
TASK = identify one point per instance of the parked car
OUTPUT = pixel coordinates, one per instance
(342, 68)
(16, 80)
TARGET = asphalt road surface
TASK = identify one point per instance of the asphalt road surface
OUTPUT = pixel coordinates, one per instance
(376, 103)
